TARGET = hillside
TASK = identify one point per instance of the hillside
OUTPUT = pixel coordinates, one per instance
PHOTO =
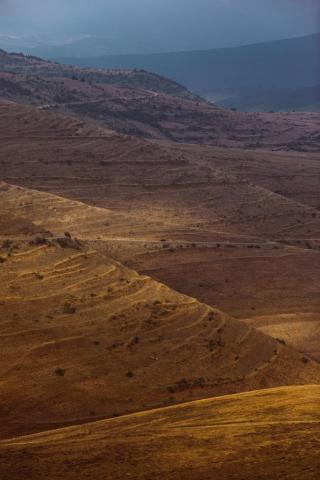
(286, 64)
(94, 339)
(25, 65)
(265, 434)
(146, 105)
(245, 223)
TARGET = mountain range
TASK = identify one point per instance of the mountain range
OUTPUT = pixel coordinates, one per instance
(254, 77)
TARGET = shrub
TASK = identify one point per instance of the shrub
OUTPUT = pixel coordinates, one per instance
(7, 244)
(39, 241)
(68, 308)
(60, 372)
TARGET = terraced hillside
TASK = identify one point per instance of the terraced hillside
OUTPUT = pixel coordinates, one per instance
(265, 434)
(146, 105)
(83, 337)
(246, 224)
(154, 280)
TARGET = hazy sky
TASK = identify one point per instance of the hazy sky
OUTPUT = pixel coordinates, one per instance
(158, 25)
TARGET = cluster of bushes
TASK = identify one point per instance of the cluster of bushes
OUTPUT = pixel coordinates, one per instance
(184, 384)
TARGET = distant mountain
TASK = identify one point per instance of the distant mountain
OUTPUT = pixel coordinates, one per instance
(277, 99)
(86, 46)
(47, 47)
(144, 104)
(285, 64)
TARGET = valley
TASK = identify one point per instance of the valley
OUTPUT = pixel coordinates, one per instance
(159, 281)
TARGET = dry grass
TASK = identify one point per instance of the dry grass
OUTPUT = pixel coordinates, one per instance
(123, 342)
(246, 224)
(270, 434)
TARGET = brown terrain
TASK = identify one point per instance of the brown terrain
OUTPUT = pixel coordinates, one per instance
(258, 435)
(148, 105)
(138, 273)
(84, 337)
(166, 210)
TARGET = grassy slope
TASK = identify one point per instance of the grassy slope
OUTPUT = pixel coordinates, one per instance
(246, 224)
(265, 434)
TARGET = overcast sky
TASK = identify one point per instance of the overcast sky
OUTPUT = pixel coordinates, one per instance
(163, 25)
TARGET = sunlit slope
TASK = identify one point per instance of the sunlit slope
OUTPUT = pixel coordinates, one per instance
(272, 285)
(83, 337)
(268, 434)
(163, 187)
(206, 222)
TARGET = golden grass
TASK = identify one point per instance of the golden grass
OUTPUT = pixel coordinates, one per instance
(268, 434)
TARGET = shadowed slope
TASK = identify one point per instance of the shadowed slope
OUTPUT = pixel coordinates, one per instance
(84, 337)
(265, 434)
(246, 224)
(144, 104)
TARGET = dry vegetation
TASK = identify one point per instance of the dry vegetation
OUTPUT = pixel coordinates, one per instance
(246, 224)
(147, 105)
(83, 337)
(257, 435)
(136, 274)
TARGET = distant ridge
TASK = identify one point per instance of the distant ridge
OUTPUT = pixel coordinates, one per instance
(286, 64)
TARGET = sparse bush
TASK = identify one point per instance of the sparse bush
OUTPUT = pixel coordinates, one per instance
(67, 242)
(211, 345)
(68, 308)
(39, 241)
(7, 244)
(184, 384)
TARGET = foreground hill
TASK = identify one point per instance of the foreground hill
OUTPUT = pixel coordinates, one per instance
(266, 434)
(246, 224)
(144, 104)
(84, 338)
(245, 73)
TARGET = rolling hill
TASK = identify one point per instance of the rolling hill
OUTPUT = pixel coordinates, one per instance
(247, 72)
(265, 434)
(147, 105)
(84, 338)
(245, 223)
(159, 281)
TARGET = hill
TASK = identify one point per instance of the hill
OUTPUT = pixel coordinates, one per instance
(246, 224)
(265, 434)
(285, 64)
(93, 339)
(27, 65)
(147, 105)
